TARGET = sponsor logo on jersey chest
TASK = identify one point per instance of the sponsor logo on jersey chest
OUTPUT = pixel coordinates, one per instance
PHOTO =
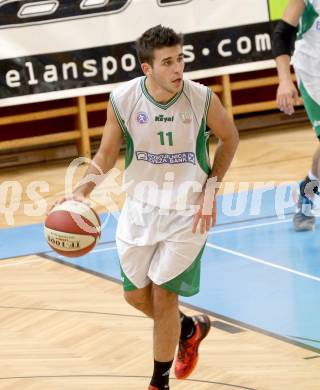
(166, 158)
(142, 117)
(163, 118)
(185, 117)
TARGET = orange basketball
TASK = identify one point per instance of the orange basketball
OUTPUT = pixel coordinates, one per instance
(72, 228)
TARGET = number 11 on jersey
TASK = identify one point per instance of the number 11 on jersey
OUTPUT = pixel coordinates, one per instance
(169, 136)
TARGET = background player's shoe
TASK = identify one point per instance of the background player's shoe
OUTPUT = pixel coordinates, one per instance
(151, 387)
(188, 349)
(304, 220)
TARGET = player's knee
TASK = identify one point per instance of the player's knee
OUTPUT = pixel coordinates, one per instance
(136, 301)
(163, 300)
(131, 298)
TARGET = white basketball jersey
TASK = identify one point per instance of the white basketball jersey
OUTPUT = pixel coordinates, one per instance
(307, 48)
(167, 160)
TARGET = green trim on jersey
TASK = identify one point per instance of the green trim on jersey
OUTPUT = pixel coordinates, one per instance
(188, 282)
(202, 148)
(312, 108)
(129, 149)
(127, 284)
(151, 99)
(127, 136)
(207, 105)
(307, 19)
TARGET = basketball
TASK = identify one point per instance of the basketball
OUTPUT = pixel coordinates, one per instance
(72, 228)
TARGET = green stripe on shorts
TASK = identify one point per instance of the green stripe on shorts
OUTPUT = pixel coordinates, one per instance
(127, 284)
(187, 283)
(312, 108)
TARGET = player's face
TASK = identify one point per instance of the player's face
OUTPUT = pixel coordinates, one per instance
(167, 68)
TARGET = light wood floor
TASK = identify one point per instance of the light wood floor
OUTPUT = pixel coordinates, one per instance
(61, 328)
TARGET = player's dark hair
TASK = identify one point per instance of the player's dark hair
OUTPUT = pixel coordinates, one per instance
(156, 38)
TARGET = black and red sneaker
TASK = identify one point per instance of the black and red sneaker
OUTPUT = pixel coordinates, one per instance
(188, 349)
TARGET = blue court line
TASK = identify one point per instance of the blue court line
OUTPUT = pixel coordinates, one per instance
(267, 263)
(217, 230)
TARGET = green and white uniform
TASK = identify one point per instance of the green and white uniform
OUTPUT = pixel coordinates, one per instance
(306, 60)
(166, 166)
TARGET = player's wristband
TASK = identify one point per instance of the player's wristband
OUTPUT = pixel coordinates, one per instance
(283, 39)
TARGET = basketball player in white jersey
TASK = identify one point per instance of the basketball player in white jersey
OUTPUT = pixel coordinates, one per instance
(306, 60)
(161, 236)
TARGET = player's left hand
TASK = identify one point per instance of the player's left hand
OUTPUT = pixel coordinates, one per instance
(205, 215)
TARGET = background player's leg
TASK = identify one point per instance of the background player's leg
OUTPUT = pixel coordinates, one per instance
(304, 218)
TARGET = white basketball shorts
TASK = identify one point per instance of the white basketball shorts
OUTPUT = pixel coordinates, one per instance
(158, 246)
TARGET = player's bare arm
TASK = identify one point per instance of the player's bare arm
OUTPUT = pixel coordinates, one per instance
(283, 37)
(222, 126)
(293, 12)
(106, 156)
(103, 161)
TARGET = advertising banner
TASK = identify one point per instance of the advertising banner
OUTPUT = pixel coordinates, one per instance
(52, 49)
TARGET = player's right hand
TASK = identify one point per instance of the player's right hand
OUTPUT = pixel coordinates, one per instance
(75, 196)
(287, 97)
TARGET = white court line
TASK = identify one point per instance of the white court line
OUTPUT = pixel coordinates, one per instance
(250, 226)
(104, 249)
(257, 260)
(95, 251)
